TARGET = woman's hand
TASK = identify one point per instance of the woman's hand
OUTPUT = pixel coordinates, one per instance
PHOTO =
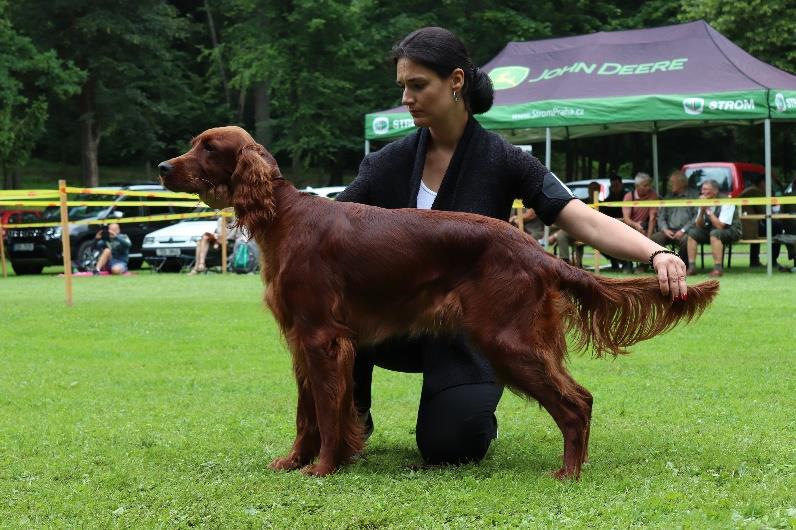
(671, 276)
(624, 242)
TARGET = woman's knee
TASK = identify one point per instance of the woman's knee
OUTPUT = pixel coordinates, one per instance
(467, 440)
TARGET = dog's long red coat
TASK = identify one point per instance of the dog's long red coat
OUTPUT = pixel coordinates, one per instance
(341, 274)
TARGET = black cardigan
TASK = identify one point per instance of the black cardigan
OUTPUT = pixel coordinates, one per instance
(485, 175)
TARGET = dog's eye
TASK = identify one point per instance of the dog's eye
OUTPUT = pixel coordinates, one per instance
(209, 147)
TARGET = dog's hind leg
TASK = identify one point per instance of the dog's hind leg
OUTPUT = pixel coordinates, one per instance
(308, 440)
(570, 412)
(589, 400)
(530, 360)
(330, 370)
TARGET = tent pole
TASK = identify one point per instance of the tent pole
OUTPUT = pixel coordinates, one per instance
(767, 135)
(655, 162)
(548, 147)
(367, 147)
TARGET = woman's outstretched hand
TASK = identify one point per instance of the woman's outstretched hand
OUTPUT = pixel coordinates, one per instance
(671, 276)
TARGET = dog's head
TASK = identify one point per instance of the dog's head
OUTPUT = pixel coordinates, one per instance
(226, 167)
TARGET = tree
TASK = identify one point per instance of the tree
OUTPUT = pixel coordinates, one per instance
(772, 42)
(315, 67)
(28, 78)
(137, 81)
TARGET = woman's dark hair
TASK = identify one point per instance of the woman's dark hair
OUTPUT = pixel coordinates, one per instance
(441, 51)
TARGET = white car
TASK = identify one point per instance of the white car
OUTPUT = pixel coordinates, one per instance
(330, 192)
(580, 188)
(171, 248)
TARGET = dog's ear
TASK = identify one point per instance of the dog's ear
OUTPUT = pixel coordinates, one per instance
(252, 187)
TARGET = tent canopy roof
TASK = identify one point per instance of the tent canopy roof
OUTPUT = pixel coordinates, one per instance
(637, 80)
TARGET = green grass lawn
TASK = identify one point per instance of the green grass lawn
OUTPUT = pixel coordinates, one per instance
(158, 400)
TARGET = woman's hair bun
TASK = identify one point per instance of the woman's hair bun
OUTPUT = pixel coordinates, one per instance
(482, 94)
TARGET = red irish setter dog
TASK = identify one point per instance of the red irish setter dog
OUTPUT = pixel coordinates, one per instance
(342, 274)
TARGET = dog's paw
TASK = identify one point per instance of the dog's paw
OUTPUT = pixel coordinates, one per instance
(285, 463)
(318, 470)
(564, 474)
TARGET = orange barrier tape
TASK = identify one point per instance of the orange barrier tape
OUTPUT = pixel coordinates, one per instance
(118, 204)
(11, 195)
(748, 201)
(131, 193)
(121, 220)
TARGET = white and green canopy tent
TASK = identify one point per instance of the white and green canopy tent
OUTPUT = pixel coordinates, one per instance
(646, 80)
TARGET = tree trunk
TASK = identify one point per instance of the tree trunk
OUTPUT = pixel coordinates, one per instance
(787, 157)
(262, 113)
(241, 104)
(602, 172)
(569, 166)
(214, 41)
(89, 136)
(297, 169)
(614, 149)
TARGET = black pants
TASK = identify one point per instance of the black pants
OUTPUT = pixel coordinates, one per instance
(455, 424)
(754, 248)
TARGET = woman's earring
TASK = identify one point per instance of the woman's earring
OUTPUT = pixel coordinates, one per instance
(456, 96)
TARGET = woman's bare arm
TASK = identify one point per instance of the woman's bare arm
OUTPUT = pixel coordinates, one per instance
(619, 240)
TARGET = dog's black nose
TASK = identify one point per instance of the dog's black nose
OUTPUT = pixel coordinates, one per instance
(165, 168)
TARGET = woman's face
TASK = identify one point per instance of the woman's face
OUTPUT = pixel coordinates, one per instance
(427, 96)
(643, 189)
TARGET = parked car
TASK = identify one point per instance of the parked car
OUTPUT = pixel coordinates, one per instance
(10, 217)
(580, 188)
(732, 177)
(169, 249)
(13, 217)
(330, 192)
(31, 249)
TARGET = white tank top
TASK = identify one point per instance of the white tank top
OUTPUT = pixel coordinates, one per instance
(425, 197)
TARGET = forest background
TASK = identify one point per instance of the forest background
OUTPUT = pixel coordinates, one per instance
(95, 89)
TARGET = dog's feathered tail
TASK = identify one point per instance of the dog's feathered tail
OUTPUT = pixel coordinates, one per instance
(610, 314)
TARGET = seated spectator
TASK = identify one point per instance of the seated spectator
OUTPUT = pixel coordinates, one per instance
(616, 193)
(788, 235)
(641, 219)
(566, 242)
(719, 225)
(530, 223)
(753, 228)
(674, 222)
(115, 250)
(213, 241)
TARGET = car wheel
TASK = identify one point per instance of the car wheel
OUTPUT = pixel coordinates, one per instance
(84, 257)
(134, 264)
(22, 269)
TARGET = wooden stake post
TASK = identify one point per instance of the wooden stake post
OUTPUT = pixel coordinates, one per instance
(3, 251)
(223, 244)
(65, 241)
(596, 252)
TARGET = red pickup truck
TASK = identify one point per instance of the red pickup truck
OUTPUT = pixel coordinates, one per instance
(732, 177)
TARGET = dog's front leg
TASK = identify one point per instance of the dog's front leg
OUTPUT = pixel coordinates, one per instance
(330, 371)
(308, 440)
